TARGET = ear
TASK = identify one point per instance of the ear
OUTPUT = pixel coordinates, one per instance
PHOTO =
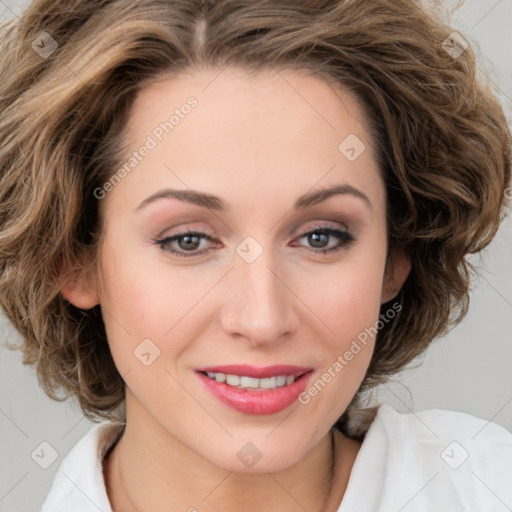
(397, 270)
(80, 288)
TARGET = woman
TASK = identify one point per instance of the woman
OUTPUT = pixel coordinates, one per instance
(227, 221)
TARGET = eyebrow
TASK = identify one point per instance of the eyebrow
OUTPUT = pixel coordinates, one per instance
(215, 203)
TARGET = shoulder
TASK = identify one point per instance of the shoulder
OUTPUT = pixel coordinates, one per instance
(445, 440)
(78, 484)
(432, 459)
(438, 423)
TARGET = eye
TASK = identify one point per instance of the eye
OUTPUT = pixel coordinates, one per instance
(319, 237)
(188, 241)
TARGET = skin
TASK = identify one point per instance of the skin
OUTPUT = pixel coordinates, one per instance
(257, 142)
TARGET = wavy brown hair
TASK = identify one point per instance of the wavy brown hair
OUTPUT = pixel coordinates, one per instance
(442, 142)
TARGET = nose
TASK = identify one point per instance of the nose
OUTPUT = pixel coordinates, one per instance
(260, 303)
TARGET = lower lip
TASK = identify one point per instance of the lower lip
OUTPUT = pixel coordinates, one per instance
(267, 401)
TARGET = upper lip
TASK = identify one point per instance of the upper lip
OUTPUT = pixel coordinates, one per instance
(257, 372)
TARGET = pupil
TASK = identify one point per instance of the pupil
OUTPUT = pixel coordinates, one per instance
(315, 239)
(187, 243)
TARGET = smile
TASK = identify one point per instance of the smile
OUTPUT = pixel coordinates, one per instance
(251, 390)
(245, 382)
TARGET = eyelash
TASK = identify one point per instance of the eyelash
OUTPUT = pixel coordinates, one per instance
(344, 236)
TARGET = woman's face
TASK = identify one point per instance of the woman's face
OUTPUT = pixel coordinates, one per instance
(251, 286)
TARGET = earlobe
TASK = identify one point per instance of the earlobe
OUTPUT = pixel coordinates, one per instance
(81, 291)
(395, 275)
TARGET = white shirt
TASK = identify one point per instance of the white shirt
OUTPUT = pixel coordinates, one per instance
(433, 460)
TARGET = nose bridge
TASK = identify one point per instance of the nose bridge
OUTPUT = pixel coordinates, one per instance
(260, 304)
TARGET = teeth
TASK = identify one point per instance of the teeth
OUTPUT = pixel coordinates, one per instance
(233, 380)
(251, 382)
(268, 383)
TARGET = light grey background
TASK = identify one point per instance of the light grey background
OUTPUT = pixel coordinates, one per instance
(468, 370)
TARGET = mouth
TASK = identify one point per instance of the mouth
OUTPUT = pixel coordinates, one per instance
(246, 382)
(255, 390)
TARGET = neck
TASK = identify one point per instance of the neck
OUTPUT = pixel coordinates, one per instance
(149, 469)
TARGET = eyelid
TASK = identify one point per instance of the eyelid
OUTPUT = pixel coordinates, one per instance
(344, 236)
(323, 225)
(335, 224)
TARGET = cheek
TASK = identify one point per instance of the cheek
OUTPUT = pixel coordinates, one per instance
(348, 297)
(137, 304)
(144, 298)
(351, 312)
(348, 303)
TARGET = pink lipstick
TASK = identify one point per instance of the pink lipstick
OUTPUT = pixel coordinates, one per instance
(255, 390)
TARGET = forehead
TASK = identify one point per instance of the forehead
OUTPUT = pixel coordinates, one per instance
(265, 133)
(235, 93)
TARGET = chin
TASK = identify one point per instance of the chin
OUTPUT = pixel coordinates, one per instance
(258, 453)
